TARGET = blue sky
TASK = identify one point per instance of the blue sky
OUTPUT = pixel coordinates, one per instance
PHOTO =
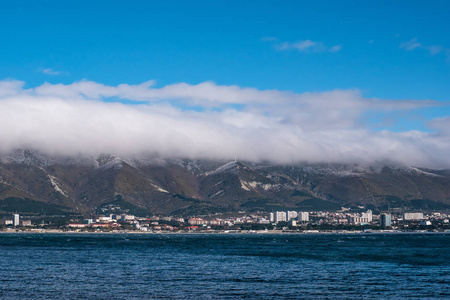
(195, 41)
(393, 50)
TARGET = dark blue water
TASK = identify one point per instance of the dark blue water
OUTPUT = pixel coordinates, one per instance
(208, 266)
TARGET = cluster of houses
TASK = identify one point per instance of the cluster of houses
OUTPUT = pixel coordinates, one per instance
(283, 218)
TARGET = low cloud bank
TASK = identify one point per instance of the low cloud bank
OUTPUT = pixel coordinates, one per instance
(209, 121)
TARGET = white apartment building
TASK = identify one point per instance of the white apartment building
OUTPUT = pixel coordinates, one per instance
(303, 216)
(271, 217)
(280, 216)
(16, 220)
(197, 221)
(291, 215)
(412, 216)
(367, 216)
(104, 219)
(128, 217)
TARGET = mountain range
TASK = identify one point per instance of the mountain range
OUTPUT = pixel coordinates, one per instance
(35, 183)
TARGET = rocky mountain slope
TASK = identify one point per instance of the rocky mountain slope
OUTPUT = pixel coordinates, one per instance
(31, 182)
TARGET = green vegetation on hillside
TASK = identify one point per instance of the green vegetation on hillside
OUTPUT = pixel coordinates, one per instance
(120, 206)
(263, 205)
(428, 204)
(27, 206)
(316, 204)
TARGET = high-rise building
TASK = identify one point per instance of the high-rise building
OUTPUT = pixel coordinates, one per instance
(385, 220)
(271, 217)
(367, 216)
(354, 219)
(16, 220)
(291, 215)
(280, 216)
(303, 216)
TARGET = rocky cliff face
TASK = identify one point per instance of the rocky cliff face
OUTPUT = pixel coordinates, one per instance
(148, 185)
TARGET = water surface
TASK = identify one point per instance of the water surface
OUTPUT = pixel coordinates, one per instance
(224, 266)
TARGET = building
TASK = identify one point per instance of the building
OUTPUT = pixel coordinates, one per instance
(136, 225)
(197, 221)
(104, 219)
(76, 225)
(26, 222)
(367, 216)
(354, 220)
(98, 225)
(360, 219)
(303, 216)
(280, 216)
(363, 220)
(215, 222)
(385, 220)
(271, 217)
(412, 216)
(264, 221)
(16, 220)
(291, 215)
(128, 218)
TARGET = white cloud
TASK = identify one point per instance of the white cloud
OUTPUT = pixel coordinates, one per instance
(274, 125)
(306, 46)
(11, 87)
(414, 44)
(335, 48)
(206, 93)
(411, 44)
(51, 72)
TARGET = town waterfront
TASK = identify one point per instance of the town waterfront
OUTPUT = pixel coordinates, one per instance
(224, 266)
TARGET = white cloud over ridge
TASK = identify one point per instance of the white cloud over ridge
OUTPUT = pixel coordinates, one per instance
(250, 124)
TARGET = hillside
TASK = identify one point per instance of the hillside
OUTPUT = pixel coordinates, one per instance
(32, 182)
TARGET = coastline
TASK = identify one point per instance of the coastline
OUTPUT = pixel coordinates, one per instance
(242, 232)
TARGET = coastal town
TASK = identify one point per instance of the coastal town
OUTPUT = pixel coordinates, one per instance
(345, 220)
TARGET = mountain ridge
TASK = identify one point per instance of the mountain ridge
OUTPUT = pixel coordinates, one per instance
(188, 187)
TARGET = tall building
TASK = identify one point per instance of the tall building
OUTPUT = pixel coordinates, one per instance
(271, 217)
(16, 220)
(385, 220)
(291, 215)
(303, 216)
(367, 216)
(354, 220)
(280, 216)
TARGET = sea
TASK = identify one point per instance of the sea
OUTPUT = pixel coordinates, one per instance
(224, 266)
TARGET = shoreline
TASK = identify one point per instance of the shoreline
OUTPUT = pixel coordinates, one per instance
(274, 232)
